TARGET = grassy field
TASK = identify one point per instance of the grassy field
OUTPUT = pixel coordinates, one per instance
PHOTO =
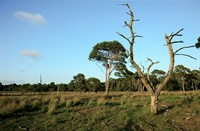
(91, 111)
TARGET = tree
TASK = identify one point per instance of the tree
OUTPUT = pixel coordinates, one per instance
(194, 78)
(93, 84)
(181, 72)
(1, 87)
(78, 83)
(52, 86)
(154, 90)
(63, 87)
(124, 72)
(109, 53)
(172, 84)
(158, 73)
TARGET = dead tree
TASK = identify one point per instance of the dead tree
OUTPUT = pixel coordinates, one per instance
(154, 90)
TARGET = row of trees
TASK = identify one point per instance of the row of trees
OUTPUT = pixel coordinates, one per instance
(79, 83)
(182, 79)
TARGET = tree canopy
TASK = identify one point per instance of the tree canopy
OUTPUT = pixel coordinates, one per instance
(107, 50)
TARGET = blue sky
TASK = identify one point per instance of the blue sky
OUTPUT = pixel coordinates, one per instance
(54, 38)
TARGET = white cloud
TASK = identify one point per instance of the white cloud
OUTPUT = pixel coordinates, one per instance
(30, 53)
(33, 18)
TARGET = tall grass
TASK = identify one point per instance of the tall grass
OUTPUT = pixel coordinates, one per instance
(53, 104)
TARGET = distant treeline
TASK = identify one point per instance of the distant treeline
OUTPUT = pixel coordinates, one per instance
(182, 79)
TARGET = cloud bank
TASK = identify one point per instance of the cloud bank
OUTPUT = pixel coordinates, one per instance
(29, 53)
(37, 19)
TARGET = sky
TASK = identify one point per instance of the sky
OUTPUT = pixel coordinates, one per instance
(54, 37)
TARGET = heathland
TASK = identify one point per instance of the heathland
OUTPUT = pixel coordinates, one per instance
(94, 111)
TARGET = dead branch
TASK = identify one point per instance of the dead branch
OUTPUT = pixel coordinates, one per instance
(137, 20)
(124, 37)
(176, 34)
(149, 67)
(142, 67)
(183, 48)
(100, 68)
(187, 56)
(177, 42)
(138, 36)
(131, 41)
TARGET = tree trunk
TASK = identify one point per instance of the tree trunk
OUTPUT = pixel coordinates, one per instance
(108, 68)
(183, 83)
(154, 104)
(193, 86)
(106, 82)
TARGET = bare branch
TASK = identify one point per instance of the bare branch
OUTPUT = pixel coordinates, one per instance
(100, 68)
(177, 42)
(142, 67)
(124, 37)
(136, 20)
(112, 70)
(187, 56)
(176, 34)
(126, 24)
(149, 67)
(123, 4)
(138, 36)
(128, 13)
(183, 48)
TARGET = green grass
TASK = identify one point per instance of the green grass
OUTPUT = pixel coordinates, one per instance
(91, 111)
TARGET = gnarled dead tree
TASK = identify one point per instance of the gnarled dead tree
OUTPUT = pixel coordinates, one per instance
(154, 90)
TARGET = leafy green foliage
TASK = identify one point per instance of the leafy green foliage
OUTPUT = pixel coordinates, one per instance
(104, 51)
(93, 84)
(198, 43)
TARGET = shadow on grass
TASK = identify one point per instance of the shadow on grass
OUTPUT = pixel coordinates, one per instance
(130, 126)
(162, 111)
(112, 104)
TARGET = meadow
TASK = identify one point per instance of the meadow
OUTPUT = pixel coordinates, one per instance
(93, 111)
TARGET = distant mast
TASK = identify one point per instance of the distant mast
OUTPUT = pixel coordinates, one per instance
(40, 79)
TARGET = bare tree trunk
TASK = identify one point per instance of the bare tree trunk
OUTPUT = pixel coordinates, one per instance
(154, 103)
(108, 72)
(183, 83)
(107, 81)
(195, 87)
